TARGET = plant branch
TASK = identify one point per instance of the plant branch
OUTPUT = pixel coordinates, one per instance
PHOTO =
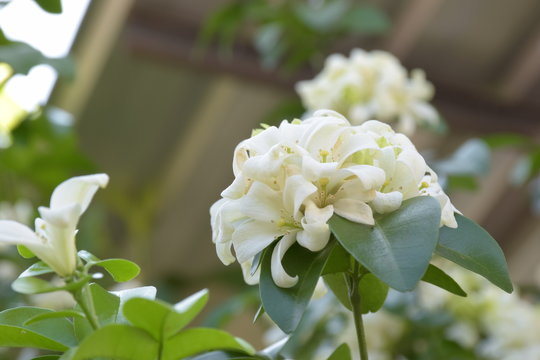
(354, 295)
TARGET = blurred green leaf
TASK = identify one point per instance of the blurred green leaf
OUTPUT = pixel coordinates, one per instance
(473, 248)
(471, 158)
(286, 305)
(22, 57)
(25, 252)
(398, 248)
(439, 278)
(52, 6)
(343, 352)
(506, 139)
(38, 268)
(365, 19)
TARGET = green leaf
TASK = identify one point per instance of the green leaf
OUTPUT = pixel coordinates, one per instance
(22, 57)
(260, 312)
(36, 269)
(117, 342)
(437, 277)
(106, 307)
(338, 283)
(365, 19)
(54, 315)
(473, 248)
(88, 257)
(343, 352)
(32, 285)
(52, 6)
(195, 341)
(160, 319)
(286, 305)
(47, 357)
(338, 261)
(120, 269)
(146, 292)
(507, 139)
(25, 252)
(398, 248)
(372, 293)
(52, 334)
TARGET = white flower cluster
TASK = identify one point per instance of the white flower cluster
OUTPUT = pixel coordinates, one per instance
(291, 179)
(499, 326)
(371, 85)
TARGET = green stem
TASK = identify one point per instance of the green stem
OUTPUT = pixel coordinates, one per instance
(354, 295)
(83, 296)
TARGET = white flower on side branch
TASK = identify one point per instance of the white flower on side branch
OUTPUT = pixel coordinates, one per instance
(53, 240)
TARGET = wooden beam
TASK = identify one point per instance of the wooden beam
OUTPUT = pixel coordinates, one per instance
(411, 22)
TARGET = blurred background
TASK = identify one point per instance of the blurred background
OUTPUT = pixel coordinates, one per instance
(157, 93)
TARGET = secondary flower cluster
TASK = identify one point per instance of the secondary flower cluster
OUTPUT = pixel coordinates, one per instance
(290, 180)
(371, 85)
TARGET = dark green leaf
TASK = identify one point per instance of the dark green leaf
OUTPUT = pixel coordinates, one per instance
(286, 305)
(338, 284)
(398, 248)
(117, 342)
(341, 353)
(195, 341)
(338, 261)
(52, 6)
(439, 278)
(372, 293)
(473, 248)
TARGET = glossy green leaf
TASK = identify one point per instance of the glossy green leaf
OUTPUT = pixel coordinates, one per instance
(120, 269)
(286, 305)
(338, 261)
(372, 293)
(52, 6)
(398, 248)
(25, 252)
(52, 334)
(160, 319)
(117, 342)
(54, 315)
(38, 268)
(343, 352)
(338, 284)
(437, 277)
(473, 248)
(197, 340)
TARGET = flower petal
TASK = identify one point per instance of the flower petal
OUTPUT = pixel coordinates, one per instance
(261, 203)
(297, 189)
(386, 202)
(14, 233)
(354, 210)
(279, 275)
(78, 190)
(253, 236)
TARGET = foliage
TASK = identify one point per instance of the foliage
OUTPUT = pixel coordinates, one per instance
(292, 33)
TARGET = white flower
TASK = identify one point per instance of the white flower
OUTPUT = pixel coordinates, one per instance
(53, 240)
(290, 180)
(371, 85)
